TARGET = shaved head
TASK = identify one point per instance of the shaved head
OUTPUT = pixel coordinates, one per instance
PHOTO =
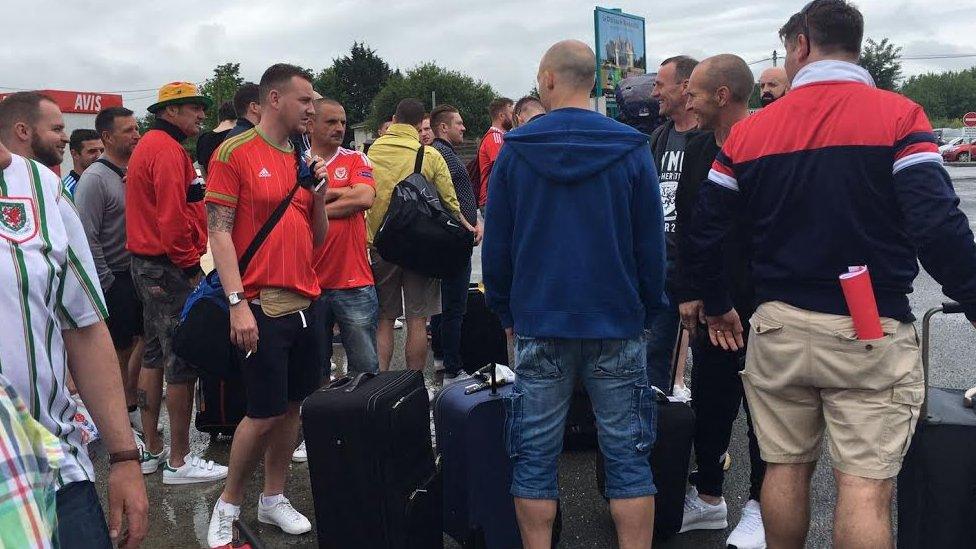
(773, 84)
(566, 76)
(718, 92)
(572, 62)
(730, 71)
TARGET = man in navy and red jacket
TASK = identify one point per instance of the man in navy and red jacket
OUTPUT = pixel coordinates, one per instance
(836, 173)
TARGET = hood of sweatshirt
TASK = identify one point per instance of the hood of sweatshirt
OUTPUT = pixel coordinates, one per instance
(556, 148)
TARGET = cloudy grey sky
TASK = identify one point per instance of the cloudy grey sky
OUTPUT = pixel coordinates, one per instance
(100, 45)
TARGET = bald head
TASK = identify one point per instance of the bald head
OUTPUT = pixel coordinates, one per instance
(773, 84)
(718, 91)
(568, 68)
(728, 71)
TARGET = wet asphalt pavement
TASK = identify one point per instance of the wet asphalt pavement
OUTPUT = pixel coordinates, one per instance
(179, 515)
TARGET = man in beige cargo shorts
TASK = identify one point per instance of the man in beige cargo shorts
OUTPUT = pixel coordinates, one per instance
(858, 182)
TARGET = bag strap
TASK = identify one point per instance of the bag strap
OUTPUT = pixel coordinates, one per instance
(111, 166)
(419, 163)
(269, 225)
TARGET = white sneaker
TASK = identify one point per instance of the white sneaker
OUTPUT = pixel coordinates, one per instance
(193, 470)
(135, 420)
(300, 455)
(438, 365)
(221, 530)
(699, 515)
(148, 461)
(682, 393)
(397, 324)
(283, 515)
(749, 533)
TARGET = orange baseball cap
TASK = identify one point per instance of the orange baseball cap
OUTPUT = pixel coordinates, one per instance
(180, 93)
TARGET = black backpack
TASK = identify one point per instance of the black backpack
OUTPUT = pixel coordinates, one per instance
(418, 234)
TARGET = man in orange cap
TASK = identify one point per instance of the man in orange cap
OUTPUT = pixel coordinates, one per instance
(167, 234)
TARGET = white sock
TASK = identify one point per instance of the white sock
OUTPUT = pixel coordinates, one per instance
(228, 508)
(267, 501)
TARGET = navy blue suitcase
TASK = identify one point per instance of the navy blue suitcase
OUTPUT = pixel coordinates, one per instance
(469, 419)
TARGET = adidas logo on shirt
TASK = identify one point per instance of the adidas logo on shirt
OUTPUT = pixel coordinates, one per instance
(264, 173)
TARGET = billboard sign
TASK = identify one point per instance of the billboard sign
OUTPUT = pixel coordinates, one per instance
(619, 48)
(80, 102)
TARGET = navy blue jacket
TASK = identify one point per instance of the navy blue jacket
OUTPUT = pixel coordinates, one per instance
(574, 229)
(837, 173)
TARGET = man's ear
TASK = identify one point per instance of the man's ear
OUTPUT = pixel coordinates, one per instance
(393, 120)
(803, 47)
(722, 96)
(22, 131)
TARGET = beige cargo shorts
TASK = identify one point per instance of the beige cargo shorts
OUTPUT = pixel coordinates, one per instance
(402, 292)
(807, 373)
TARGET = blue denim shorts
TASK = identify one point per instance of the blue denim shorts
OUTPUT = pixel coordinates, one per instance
(614, 374)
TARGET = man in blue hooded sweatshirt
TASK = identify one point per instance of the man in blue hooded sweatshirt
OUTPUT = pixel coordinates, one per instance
(574, 263)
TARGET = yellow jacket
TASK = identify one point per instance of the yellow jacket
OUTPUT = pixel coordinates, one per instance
(393, 156)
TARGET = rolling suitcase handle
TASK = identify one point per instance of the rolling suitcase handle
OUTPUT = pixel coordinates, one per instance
(243, 537)
(949, 308)
(492, 382)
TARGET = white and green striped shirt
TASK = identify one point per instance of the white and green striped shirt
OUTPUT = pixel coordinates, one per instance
(47, 284)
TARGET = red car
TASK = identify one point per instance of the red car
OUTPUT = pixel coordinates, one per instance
(960, 153)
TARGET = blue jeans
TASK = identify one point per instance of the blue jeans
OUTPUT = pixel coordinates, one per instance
(661, 338)
(613, 372)
(447, 325)
(81, 522)
(355, 310)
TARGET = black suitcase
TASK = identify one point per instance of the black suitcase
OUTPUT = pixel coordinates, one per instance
(937, 483)
(479, 511)
(670, 460)
(375, 483)
(483, 340)
(221, 404)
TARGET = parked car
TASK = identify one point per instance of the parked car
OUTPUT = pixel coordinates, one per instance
(951, 144)
(945, 135)
(964, 152)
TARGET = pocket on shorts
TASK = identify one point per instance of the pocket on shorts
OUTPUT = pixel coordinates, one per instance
(846, 340)
(644, 420)
(900, 422)
(154, 282)
(513, 422)
(762, 326)
(621, 357)
(535, 358)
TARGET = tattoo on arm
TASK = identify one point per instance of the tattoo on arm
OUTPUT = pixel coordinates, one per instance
(220, 218)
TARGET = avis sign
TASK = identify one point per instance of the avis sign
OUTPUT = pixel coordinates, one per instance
(81, 102)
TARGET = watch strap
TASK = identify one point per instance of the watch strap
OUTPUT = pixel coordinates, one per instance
(124, 455)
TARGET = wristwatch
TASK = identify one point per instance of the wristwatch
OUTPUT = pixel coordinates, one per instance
(235, 297)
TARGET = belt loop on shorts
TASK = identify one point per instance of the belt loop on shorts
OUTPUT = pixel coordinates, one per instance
(304, 322)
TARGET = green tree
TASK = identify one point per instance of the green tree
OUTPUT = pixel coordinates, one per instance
(354, 80)
(470, 96)
(755, 100)
(883, 61)
(946, 95)
(145, 123)
(221, 87)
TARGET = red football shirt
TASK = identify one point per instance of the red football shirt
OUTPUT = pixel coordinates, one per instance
(253, 175)
(341, 263)
(491, 145)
